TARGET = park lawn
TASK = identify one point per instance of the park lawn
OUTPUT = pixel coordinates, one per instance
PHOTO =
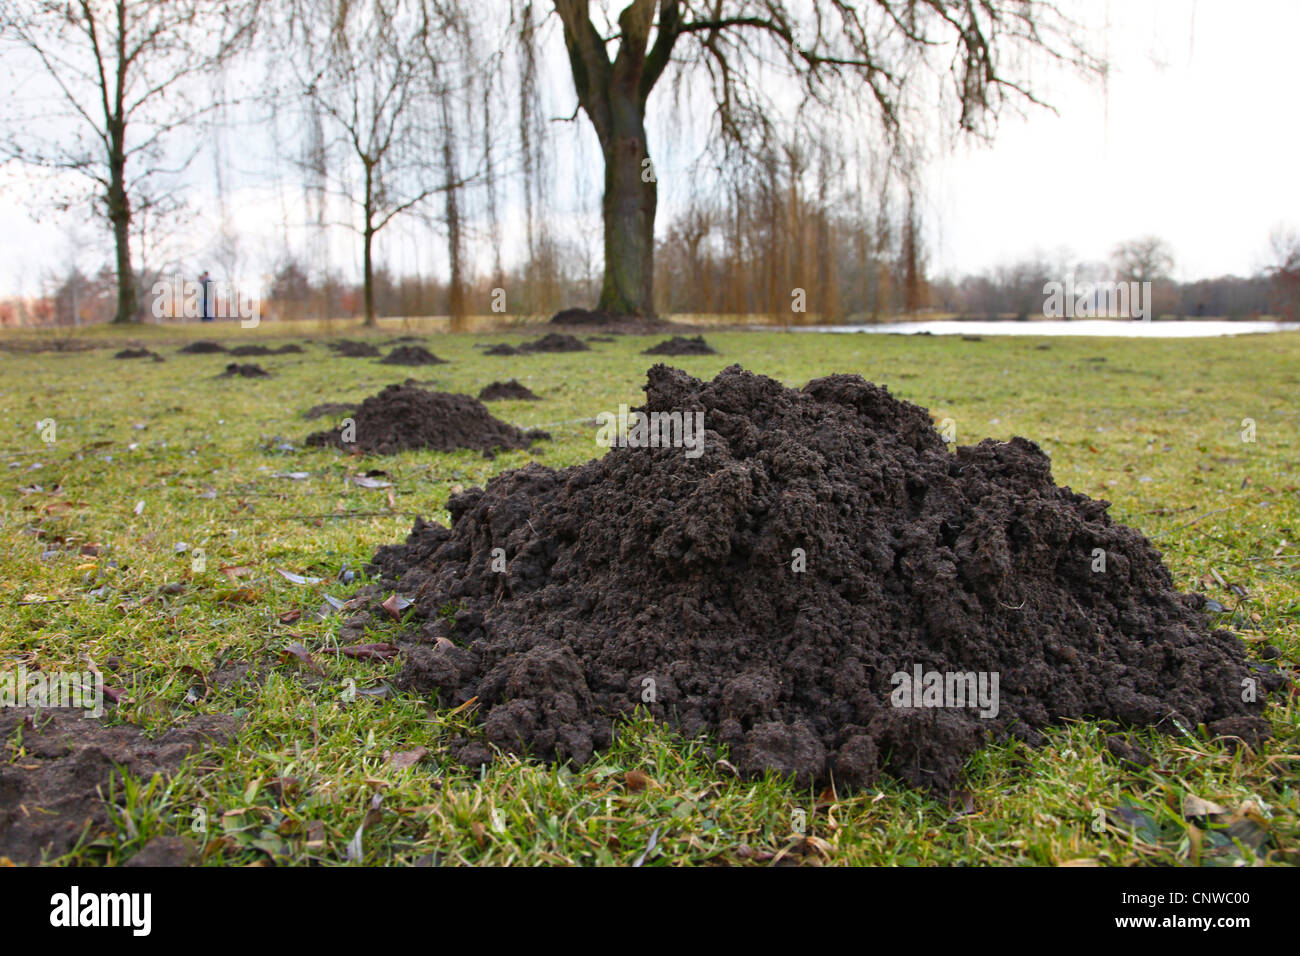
(150, 456)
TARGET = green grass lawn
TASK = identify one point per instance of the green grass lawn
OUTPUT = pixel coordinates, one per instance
(153, 460)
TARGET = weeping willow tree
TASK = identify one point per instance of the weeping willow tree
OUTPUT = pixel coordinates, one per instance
(768, 64)
(121, 76)
(379, 83)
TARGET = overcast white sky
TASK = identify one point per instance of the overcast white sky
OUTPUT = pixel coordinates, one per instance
(1198, 142)
(1194, 138)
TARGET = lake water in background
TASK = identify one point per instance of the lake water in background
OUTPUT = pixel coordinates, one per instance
(1171, 329)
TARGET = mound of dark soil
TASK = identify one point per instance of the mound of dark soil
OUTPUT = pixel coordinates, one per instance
(682, 345)
(251, 370)
(611, 323)
(777, 588)
(503, 391)
(402, 339)
(411, 355)
(52, 796)
(201, 347)
(138, 354)
(555, 342)
(246, 350)
(329, 408)
(586, 317)
(501, 349)
(403, 417)
(601, 338)
(351, 349)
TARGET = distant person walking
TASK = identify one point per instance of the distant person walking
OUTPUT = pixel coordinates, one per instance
(205, 297)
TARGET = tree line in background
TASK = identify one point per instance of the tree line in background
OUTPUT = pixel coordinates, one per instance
(434, 111)
(730, 260)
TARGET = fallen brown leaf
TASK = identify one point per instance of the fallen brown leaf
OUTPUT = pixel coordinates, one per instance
(395, 605)
(404, 759)
(302, 654)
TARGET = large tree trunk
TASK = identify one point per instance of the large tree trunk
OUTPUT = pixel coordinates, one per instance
(613, 95)
(631, 196)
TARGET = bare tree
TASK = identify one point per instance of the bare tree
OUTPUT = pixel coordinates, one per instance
(1284, 272)
(121, 70)
(837, 53)
(1148, 259)
(372, 71)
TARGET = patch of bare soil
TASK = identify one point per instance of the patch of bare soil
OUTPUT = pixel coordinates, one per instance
(53, 790)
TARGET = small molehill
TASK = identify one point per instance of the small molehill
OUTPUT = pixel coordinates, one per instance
(201, 347)
(411, 355)
(555, 342)
(682, 345)
(138, 354)
(251, 370)
(244, 351)
(348, 348)
(403, 417)
(501, 348)
(585, 317)
(512, 390)
(610, 322)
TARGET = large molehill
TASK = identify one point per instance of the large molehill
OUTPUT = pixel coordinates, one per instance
(649, 578)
